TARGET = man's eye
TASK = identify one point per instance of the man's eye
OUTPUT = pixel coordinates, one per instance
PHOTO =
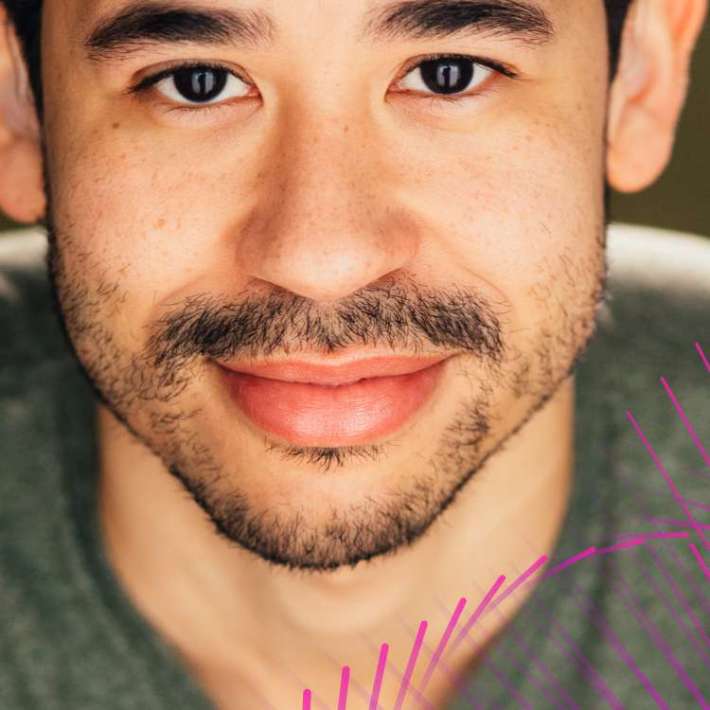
(200, 85)
(446, 76)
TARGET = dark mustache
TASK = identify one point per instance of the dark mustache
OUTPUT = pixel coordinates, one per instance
(402, 317)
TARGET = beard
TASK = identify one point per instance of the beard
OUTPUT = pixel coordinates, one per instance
(153, 392)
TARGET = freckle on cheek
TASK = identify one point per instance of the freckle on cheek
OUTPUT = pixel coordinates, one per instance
(116, 125)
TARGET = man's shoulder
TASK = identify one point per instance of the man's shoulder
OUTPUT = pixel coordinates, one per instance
(643, 385)
(658, 304)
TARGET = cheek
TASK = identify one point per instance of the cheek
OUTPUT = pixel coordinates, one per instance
(144, 220)
(519, 204)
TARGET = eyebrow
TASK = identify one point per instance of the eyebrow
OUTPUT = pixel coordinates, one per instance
(432, 19)
(143, 23)
(154, 22)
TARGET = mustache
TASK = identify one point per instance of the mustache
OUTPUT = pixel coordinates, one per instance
(400, 316)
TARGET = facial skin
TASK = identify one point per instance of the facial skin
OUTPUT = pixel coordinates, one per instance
(286, 217)
(329, 210)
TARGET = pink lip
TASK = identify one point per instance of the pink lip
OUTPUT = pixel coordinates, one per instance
(311, 404)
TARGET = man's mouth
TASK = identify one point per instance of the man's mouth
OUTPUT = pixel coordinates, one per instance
(310, 403)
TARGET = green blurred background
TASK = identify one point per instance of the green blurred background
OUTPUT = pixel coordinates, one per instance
(681, 198)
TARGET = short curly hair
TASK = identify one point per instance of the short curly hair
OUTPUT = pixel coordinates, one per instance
(26, 17)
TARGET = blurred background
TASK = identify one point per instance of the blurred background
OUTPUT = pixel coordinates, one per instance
(681, 198)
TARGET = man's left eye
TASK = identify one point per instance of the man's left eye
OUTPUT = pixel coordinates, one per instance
(200, 86)
(446, 76)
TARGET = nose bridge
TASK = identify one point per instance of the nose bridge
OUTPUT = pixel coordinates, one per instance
(323, 173)
(323, 227)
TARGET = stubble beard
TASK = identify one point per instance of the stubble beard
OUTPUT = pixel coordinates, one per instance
(377, 525)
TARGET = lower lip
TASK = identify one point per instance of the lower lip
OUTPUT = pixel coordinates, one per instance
(316, 415)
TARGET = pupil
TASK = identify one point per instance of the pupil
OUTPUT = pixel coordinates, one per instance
(201, 84)
(447, 76)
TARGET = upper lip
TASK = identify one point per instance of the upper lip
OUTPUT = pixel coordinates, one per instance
(305, 372)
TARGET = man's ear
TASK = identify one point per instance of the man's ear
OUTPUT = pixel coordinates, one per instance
(649, 91)
(21, 187)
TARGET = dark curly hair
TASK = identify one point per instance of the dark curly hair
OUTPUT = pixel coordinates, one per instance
(26, 16)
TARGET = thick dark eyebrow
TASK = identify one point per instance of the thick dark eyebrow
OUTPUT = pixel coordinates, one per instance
(432, 19)
(154, 22)
(143, 23)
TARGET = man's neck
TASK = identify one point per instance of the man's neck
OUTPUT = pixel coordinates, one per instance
(246, 629)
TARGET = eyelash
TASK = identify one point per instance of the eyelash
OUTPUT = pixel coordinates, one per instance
(147, 83)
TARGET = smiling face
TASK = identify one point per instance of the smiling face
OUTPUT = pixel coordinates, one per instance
(325, 182)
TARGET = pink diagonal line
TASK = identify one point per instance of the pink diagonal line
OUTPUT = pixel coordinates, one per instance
(674, 523)
(344, 683)
(479, 610)
(686, 422)
(306, 699)
(379, 675)
(701, 561)
(442, 643)
(669, 481)
(410, 666)
(569, 562)
(659, 641)
(518, 582)
(702, 356)
(698, 504)
(594, 678)
(619, 546)
(668, 535)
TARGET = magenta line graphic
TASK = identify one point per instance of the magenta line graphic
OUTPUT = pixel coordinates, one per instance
(669, 480)
(414, 655)
(686, 422)
(673, 529)
(344, 683)
(519, 582)
(701, 561)
(479, 611)
(442, 644)
(379, 675)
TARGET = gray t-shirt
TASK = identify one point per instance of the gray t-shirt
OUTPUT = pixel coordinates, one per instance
(625, 628)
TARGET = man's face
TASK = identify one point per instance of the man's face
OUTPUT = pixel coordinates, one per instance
(306, 190)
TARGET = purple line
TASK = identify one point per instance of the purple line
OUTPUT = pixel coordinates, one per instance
(522, 701)
(680, 623)
(569, 562)
(410, 666)
(700, 560)
(660, 643)
(702, 356)
(306, 699)
(686, 422)
(548, 684)
(666, 535)
(620, 546)
(594, 677)
(679, 561)
(622, 651)
(674, 523)
(379, 674)
(678, 594)
(698, 504)
(669, 481)
(518, 582)
(442, 643)
(344, 683)
(395, 672)
(479, 610)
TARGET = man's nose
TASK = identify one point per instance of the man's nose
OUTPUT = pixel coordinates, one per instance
(326, 222)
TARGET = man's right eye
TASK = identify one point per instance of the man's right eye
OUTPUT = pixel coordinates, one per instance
(198, 85)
